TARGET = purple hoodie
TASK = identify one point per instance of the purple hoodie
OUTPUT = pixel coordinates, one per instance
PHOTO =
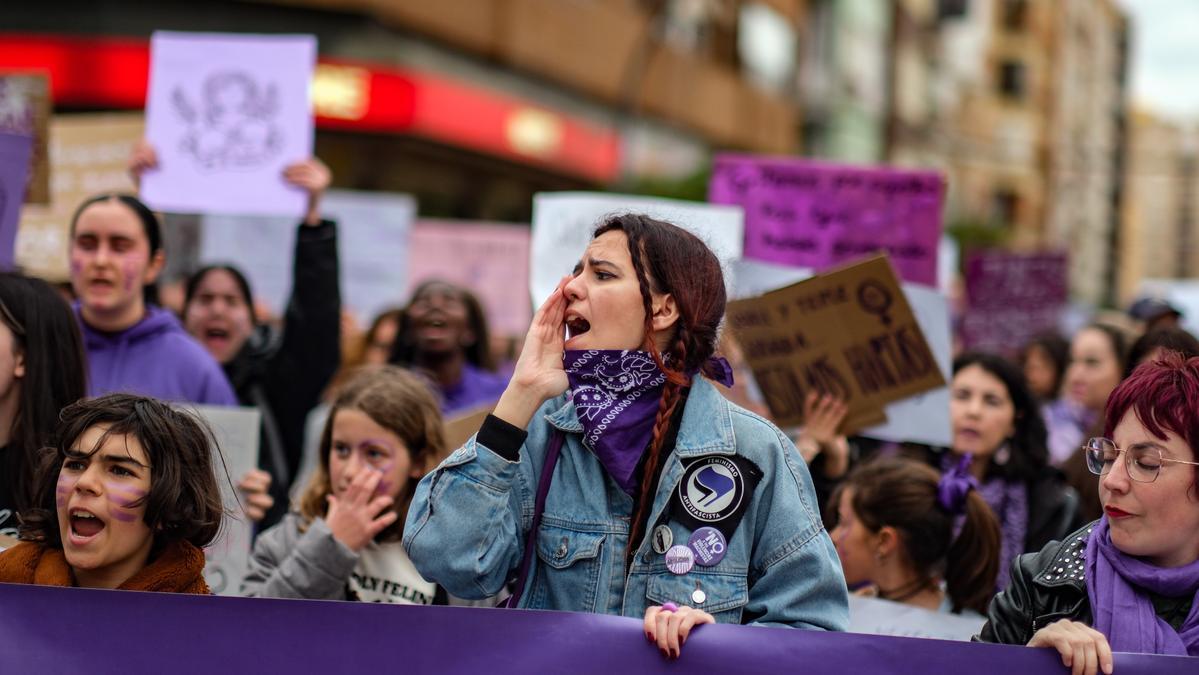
(155, 357)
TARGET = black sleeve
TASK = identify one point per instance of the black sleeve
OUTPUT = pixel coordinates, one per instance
(502, 438)
(310, 351)
(1011, 613)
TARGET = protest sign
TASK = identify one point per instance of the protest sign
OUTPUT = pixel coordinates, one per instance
(15, 150)
(204, 634)
(373, 230)
(563, 223)
(490, 259)
(1012, 298)
(923, 418)
(874, 616)
(460, 427)
(25, 110)
(89, 153)
(808, 214)
(236, 431)
(850, 333)
(226, 114)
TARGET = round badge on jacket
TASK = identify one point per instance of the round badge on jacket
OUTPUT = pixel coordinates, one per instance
(711, 489)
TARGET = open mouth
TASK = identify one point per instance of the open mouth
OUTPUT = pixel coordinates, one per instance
(85, 525)
(576, 326)
(216, 334)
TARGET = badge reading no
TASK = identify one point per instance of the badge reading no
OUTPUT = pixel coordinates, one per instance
(715, 492)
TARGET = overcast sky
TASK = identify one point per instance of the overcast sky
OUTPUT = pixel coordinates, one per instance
(1165, 56)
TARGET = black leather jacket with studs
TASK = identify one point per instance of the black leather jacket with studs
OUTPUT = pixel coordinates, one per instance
(1045, 587)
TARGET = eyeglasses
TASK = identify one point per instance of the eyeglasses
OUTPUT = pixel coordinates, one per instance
(1143, 462)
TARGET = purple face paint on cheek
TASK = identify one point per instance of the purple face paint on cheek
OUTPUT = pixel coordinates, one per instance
(123, 497)
(124, 517)
(129, 269)
(62, 492)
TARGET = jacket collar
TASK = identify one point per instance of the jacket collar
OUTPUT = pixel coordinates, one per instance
(1068, 567)
(706, 428)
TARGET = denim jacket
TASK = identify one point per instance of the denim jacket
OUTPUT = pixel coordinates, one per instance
(469, 518)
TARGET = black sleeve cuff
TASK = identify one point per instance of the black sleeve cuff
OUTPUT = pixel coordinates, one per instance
(323, 230)
(502, 438)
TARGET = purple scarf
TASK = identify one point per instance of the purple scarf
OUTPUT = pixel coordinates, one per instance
(1123, 611)
(616, 395)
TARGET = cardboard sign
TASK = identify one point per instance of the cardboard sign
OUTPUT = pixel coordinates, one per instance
(373, 231)
(563, 223)
(807, 214)
(849, 332)
(1012, 298)
(226, 114)
(237, 433)
(25, 110)
(15, 151)
(490, 259)
(459, 429)
(89, 153)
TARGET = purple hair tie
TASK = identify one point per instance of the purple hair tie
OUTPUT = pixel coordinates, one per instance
(717, 368)
(955, 485)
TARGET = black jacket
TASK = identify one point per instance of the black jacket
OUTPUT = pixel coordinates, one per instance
(1045, 587)
(284, 373)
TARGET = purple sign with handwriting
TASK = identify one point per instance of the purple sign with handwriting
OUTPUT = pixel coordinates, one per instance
(203, 634)
(1012, 297)
(816, 215)
(15, 151)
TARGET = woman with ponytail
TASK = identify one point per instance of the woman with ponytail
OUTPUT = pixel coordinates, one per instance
(898, 536)
(613, 477)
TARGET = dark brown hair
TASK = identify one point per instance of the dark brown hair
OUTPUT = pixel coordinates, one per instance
(184, 502)
(404, 352)
(398, 401)
(902, 494)
(669, 259)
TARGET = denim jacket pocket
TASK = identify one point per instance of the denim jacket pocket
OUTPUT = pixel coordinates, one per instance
(721, 595)
(570, 569)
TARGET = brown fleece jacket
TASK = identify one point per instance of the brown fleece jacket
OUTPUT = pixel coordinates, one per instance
(179, 568)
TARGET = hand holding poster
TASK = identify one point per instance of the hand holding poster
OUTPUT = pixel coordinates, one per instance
(806, 214)
(226, 114)
(15, 151)
(850, 333)
(25, 110)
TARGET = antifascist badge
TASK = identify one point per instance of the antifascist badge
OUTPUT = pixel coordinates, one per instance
(714, 492)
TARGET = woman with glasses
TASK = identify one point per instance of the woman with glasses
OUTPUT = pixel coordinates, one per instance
(1127, 582)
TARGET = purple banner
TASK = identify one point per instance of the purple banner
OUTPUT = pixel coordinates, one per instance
(72, 630)
(807, 214)
(1012, 297)
(15, 151)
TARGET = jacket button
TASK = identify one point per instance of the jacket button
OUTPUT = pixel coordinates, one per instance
(562, 548)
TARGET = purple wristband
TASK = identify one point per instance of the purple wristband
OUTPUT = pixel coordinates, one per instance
(669, 607)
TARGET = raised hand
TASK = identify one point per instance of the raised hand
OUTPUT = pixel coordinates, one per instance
(823, 415)
(143, 158)
(313, 177)
(538, 375)
(358, 515)
(256, 498)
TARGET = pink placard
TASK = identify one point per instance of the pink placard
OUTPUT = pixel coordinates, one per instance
(816, 215)
(491, 259)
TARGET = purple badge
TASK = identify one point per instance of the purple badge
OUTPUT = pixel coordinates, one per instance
(708, 545)
(679, 559)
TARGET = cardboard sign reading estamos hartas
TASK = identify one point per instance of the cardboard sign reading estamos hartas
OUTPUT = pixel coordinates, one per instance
(848, 332)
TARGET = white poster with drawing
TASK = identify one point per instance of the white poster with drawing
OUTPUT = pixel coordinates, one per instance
(563, 223)
(226, 113)
(236, 432)
(920, 419)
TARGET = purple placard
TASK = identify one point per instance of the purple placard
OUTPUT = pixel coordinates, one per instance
(1012, 297)
(204, 634)
(15, 151)
(816, 215)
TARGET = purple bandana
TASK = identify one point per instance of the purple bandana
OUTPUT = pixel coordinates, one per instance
(1116, 586)
(616, 394)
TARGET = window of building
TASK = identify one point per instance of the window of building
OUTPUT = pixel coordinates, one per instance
(1005, 206)
(1012, 79)
(1014, 14)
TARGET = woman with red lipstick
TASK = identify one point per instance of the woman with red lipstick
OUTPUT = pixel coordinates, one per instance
(128, 501)
(995, 421)
(1128, 582)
